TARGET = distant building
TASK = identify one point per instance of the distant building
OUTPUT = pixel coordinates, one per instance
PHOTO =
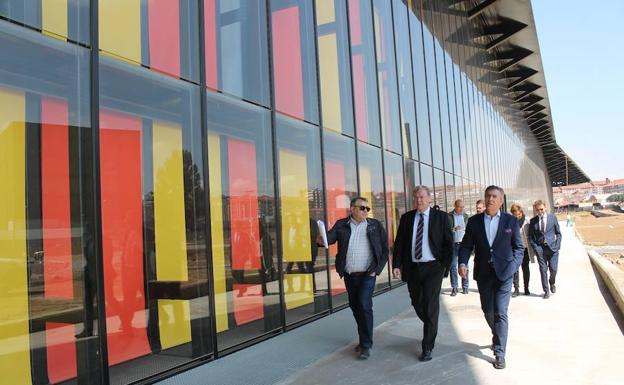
(597, 190)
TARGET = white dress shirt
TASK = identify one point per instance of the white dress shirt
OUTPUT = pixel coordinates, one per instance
(458, 235)
(426, 250)
(543, 218)
(491, 226)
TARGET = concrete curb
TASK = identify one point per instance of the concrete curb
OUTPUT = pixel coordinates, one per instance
(611, 275)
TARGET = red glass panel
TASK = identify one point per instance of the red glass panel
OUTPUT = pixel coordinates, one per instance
(56, 220)
(164, 36)
(60, 351)
(210, 36)
(355, 27)
(287, 62)
(359, 93)
(248, 304)
(336, 200)
(243, 186)
(122, 229)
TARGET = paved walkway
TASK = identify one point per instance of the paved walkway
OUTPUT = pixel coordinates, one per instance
(575, 337)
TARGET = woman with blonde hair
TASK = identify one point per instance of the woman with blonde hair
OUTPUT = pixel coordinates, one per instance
(523, 223)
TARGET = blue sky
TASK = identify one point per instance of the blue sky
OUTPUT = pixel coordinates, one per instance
(582, 47)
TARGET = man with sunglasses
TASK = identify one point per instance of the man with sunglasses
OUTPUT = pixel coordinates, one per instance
(362, 255)
(423, 250)
(545, 238)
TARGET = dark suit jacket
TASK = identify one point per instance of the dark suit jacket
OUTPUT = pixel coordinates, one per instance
(506, 252)
(551, 236)
(440, 241)
(377, 238)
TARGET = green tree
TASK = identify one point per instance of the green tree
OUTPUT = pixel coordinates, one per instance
(616, 198)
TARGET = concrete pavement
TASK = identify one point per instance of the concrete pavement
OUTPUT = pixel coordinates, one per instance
(571, 338)
(575, 337)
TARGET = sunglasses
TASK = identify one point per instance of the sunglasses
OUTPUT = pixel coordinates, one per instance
(363, 208)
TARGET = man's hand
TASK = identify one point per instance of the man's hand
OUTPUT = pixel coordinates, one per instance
(396, 273)
(462, 271)
(319, 240)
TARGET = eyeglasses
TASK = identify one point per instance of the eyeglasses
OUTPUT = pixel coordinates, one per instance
(363, 208)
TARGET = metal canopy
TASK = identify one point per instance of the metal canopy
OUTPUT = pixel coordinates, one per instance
(504, 38)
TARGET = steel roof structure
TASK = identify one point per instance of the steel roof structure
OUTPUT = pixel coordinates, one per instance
(505, 37)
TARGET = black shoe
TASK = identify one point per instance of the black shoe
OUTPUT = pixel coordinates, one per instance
(546, 296)
(453, 292)
(499, 363)
(425, 356)
(515, 293)
(357, 348)
(526, 291)
(364, 353)
(553, 289)
(465, 290)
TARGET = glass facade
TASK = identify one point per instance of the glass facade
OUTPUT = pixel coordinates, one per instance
(162, 184)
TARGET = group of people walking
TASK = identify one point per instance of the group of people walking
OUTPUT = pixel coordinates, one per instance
(539, 243)
(431, 243)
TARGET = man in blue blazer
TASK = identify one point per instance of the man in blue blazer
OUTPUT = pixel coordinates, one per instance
(545, 238)
(496, 240)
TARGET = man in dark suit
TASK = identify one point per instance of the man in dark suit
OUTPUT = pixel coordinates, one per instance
(422, 252)
(545, 238)
(362, 256)
(496, 240)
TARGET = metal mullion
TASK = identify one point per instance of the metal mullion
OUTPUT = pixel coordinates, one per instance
(425, 61)
(322, 143)
(276, 187)
(409, 36)
(355, 128)
(445, 53)
(97, 225)
(381, 128)
(206, 175)
(411, 74)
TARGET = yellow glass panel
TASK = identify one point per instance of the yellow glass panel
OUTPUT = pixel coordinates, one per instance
(174, 322)
(393, 207)
(14, 332)
(298, 290)
(169, 217)
(407, 149)
(330, 82)
(325, 12)
(54, 18)
(366, 185)
(120, 28)
(295, 208)
(216, 226)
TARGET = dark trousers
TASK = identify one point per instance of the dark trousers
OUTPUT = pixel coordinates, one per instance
(360, 290)
(526, 272)
(548, 260)
(425, 281)
(495, 295)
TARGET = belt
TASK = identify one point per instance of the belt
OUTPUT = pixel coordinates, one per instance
(358, 273)
(458, 243)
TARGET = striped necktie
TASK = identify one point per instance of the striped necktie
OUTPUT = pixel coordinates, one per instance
(419, 237)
